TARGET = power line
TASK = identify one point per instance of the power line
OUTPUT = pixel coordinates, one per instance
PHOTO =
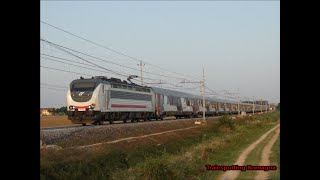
(66, 71)
(90, 41)
(120, 54)
(54, 89)
(53, 85)
(71, 71)
(64, 49)
(83, 64)
(59, 47)
(54, 45)
(111, 49)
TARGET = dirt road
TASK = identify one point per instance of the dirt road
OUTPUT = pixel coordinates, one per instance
(228, 175)
(265, 156)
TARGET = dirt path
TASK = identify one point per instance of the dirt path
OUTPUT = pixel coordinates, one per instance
(265, 156)
(240, 162)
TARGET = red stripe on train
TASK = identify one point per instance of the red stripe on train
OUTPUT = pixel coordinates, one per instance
(127, 106)
(77, 107)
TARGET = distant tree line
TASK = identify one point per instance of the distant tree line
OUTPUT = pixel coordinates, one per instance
(59, 111)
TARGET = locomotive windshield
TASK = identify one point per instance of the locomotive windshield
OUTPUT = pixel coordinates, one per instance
(81, 91)
(83, 86)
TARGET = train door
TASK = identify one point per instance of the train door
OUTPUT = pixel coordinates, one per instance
(103, 101)
(195, 106)
(179, 104)
(159, 102)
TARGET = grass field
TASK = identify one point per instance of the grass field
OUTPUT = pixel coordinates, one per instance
(51, 121)
(179, 158)
(275, 160)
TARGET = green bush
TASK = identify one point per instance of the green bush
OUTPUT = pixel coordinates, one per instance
(227, 122)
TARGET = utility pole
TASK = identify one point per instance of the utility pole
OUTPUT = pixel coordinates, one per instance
(202, 91)
(203, 104)
(141, 72)
(261, 105)
(238, 102)
(253, 104)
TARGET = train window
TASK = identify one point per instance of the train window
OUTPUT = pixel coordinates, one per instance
(127, 95)
(83, 86)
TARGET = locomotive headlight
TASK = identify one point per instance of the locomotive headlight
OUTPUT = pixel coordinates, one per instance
(71, 107)
(90, 107)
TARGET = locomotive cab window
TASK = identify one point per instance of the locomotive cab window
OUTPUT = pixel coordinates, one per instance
(83, 86)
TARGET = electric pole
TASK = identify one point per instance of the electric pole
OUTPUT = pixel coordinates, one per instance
(203, 104)
(238, 102)
(141, 72)
(202, 91)
(253, 104)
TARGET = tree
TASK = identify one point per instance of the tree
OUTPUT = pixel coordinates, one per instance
(62, 110)
(278, 107)
(52, 111)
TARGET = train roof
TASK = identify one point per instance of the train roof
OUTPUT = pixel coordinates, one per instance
(167, 92)
(105, 80)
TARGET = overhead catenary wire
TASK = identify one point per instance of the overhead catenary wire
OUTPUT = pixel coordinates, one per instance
(62, 49)
(77, 51)
(64, 59)
(53, 85)
(136, 59)
(54, 89)
(72, 34)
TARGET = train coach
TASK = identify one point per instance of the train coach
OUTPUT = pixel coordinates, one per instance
(98, 99)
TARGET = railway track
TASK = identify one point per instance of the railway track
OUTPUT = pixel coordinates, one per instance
(81, 135)
(106, 123)
(120, 122)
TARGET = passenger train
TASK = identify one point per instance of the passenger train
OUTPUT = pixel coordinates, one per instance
(98, 99)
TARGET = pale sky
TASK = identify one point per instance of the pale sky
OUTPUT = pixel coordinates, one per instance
(236, 42)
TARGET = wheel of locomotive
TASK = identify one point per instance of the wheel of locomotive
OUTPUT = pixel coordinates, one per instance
(84, 124)
(111, 121)
(100, 122)
(125, 121)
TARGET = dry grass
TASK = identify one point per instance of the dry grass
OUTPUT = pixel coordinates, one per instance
(51, 121)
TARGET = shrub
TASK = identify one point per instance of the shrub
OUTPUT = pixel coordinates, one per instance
(227, 122)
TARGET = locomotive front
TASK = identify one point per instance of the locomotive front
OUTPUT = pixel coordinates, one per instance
(81, 101)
